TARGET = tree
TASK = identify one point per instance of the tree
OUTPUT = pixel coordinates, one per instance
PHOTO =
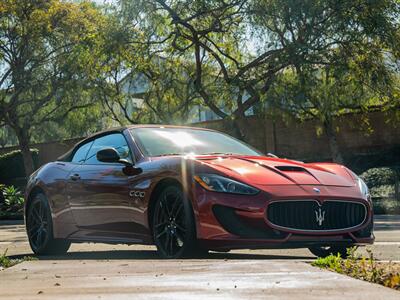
(45, 56)
(245, 45)
(7, 138)
(135, 83)
(76, 124)
(171, 94)
(326, 92)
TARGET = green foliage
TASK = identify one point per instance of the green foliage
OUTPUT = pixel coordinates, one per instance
(78, 123)
(7, 137)
(324, 93)
(46, 58)
(313, 58)
(6, 262)
(382, 191)
(13, 199)
(375, 177)
(332, 262)
(381, 182)
(361, 267)
(12, 166)
(389, 206)
(64, 64)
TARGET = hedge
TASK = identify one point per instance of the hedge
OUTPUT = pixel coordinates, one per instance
(379, 176)
(12, 164)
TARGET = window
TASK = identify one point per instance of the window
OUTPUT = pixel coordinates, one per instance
(166, 141)
(80, 153)
(114, 140)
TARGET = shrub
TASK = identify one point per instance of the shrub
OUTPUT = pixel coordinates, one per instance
(386, 206)
(2, 186)
(382, 191)
(13, 203)
(12, 164)
(379, 176)
(13, 199)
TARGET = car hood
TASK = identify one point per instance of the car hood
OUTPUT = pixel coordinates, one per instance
(261, 170)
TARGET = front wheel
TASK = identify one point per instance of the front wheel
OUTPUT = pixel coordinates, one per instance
(173, 225)
(324, 251)
(39, 227)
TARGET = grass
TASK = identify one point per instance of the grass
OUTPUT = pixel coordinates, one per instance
(6, 262)
(364, 268)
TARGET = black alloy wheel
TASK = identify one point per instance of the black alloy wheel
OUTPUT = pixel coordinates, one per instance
(324, 251)
(39, 228)
(173, 225)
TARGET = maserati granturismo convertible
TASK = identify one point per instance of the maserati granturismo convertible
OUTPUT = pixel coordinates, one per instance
(191, 190)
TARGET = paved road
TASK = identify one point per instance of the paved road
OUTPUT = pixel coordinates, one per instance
(13, 238)
(98, 271)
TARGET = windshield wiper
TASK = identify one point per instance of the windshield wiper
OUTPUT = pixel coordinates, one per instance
(219, 153)
(209, 153)
(168, 154)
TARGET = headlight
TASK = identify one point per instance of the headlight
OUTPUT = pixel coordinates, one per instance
(363, 188)
(217, 183)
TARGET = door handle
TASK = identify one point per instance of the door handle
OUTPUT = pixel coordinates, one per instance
(75, 177)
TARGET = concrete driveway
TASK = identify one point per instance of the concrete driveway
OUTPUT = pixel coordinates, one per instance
(98, 271)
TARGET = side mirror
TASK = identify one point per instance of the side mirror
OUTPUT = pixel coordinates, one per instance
(108, 155)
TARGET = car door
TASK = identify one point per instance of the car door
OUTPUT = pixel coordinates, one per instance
(98, 193)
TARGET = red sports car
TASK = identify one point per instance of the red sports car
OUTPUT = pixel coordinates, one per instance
(189, 190)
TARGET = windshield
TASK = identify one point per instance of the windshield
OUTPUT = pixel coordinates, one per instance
(158, 141)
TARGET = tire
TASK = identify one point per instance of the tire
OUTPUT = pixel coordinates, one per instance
(173, 225)
(324, 251)
(39, 227)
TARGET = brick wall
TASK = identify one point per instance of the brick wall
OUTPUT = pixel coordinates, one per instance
(290, 139)
(299, 140)
(48, 151)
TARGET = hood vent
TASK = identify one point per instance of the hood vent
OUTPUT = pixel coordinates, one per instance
(291, 169)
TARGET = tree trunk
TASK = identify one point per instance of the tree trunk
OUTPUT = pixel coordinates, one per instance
(238, 127)
(333, 144)
(23, 141)
(397, 185)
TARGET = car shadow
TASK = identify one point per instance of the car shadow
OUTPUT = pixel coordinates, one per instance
(152, 255)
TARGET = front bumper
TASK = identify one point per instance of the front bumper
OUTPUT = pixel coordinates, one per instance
(226, 221)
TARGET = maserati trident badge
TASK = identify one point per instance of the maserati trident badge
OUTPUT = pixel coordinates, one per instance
(320, 216)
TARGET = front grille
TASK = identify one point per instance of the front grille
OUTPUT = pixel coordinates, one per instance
(309, 215)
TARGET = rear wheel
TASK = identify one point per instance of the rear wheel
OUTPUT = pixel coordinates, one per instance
(173, 225)
(39, 228)
(324, 251)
